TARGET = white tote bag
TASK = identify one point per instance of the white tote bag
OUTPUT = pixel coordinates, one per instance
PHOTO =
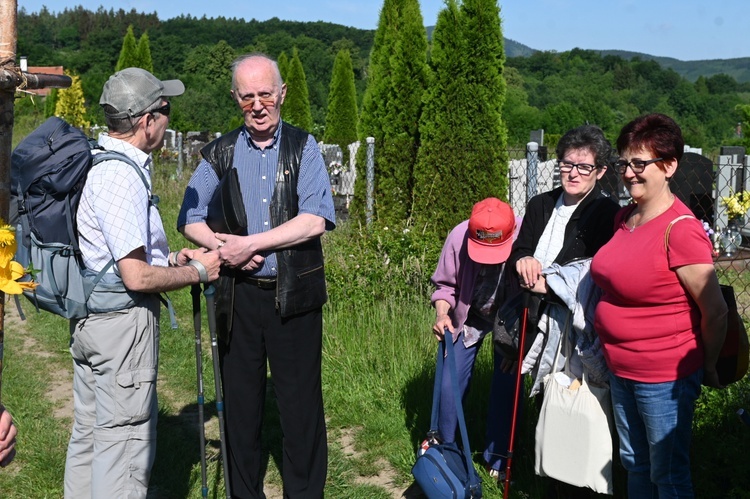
(573, 434)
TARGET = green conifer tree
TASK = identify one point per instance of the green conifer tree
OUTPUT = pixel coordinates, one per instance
(408, 83)
(70, 103)
(296, 108)
(144, 53)
(374, 102)
(391, 109)
(341, 117)
(283, 63)
(462, 158)
(129, 52)
(50, 102)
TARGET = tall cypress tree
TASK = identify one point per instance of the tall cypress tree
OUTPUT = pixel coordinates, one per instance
(129, 51)
(373, 103)
(409, 68)
(391, 108)
(283, 63)
(462, 158)
(483, 32)
(341, 118)
(296, 108)
(144, 53)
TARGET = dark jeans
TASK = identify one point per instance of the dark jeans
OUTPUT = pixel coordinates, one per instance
(292, 349)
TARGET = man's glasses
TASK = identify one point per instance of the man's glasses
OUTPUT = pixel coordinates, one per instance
(164, 110)
(584, 169)
(637, 165)
(266, 100)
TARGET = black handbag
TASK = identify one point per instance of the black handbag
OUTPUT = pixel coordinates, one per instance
(444, 470)
(226, 210)
(732, 364)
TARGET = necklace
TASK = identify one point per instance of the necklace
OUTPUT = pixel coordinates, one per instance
(642, 221)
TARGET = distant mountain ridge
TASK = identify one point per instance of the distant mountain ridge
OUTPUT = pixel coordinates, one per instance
(738, 68)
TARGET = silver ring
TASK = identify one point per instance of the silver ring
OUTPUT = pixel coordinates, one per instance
(221, 243)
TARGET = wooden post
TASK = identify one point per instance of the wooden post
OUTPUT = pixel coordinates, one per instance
(11, 78)
(8, 17)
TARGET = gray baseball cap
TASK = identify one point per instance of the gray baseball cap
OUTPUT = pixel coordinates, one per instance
(133, 90)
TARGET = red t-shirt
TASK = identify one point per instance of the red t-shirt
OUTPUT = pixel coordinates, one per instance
(648, 324)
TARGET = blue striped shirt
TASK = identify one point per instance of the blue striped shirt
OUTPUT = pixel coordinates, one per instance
(256, 170)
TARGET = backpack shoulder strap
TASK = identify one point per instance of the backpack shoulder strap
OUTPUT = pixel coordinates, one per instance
(669, 229)
(107, 155)
(153, 200)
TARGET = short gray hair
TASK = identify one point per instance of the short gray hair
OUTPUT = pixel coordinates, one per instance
(589, 137)
(126, 124)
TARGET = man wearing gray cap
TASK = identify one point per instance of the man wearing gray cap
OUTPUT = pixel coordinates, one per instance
(116, 348)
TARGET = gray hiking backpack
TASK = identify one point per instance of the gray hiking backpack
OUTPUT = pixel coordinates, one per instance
(48, 172)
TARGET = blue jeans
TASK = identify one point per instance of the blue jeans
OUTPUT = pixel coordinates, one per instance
(501, 402)
(654, 422)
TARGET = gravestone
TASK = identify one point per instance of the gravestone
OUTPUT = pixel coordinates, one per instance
(693, 184)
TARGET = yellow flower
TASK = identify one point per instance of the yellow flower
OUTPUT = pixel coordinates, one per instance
(9, 279)
(737, 204)
(10, 271)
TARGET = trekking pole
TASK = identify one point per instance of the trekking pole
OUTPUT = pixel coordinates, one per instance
(195, 292)
(525, 302)
(209, 293)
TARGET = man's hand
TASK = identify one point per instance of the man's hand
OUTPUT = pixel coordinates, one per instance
(238, 252)
(210, 259)
(8, 433)
(529, 271)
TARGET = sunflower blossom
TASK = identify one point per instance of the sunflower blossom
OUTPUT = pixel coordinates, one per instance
(10, 271)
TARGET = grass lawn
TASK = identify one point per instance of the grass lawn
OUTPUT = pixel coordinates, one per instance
(378, 365)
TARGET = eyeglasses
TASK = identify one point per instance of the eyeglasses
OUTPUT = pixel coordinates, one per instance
(584, 169)
(266, 100)
(164, 110)
(637, 165)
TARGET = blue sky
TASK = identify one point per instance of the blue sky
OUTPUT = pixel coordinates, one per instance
(683, 29)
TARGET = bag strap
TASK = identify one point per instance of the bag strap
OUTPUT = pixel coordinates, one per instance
(436, 393)
(669, 229)
(107, 155)
(563, 338)
(447, 344)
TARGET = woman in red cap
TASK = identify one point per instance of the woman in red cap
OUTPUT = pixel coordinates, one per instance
(466, 299)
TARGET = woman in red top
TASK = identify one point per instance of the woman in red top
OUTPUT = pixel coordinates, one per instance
(661, 318)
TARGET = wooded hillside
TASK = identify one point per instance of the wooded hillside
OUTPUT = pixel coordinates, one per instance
(550, 90)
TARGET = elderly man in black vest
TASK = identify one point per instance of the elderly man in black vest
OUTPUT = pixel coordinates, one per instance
(270, 298)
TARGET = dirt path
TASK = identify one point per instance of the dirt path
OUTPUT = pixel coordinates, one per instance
(60, 393)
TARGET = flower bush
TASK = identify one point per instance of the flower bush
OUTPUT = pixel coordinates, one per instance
(737, 204)
(10, 271)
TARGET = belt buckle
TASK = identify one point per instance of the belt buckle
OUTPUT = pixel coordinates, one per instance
(266, 283)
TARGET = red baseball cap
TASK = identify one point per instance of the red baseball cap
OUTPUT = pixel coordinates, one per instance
(491, 228)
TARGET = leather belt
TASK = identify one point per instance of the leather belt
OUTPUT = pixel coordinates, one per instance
(260, 282)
